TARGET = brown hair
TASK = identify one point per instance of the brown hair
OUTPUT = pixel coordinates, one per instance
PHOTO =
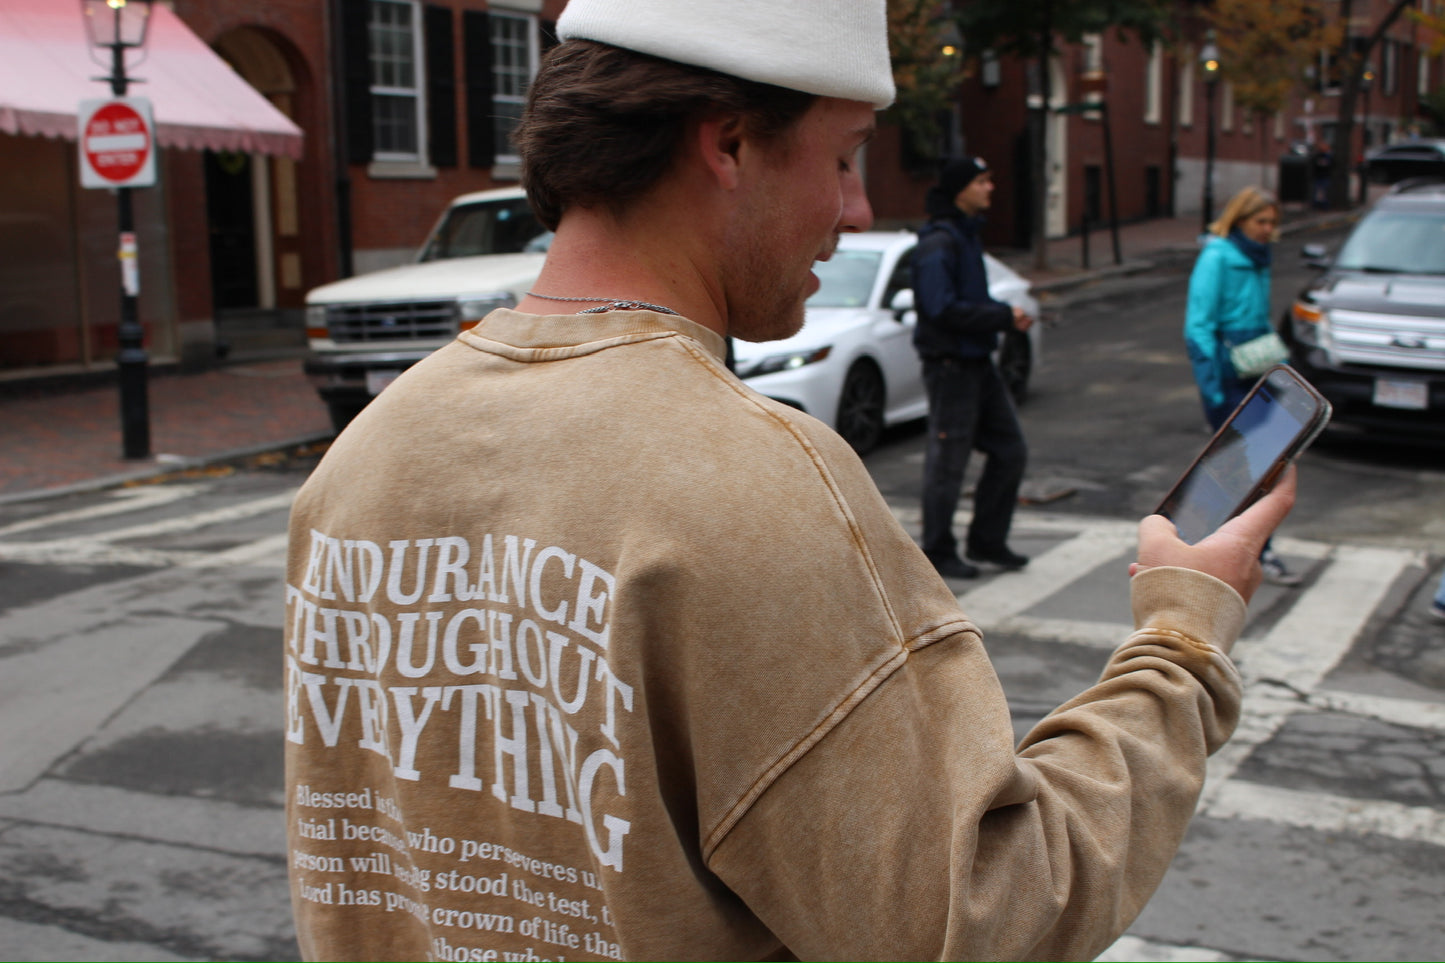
(1241, 207)
(602, 124)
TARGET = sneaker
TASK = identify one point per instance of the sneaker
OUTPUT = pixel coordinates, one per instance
(1437, 611)
(1275, 571)
(1002, 557)
(954, 567)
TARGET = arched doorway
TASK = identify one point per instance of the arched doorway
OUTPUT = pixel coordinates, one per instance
(252, 206)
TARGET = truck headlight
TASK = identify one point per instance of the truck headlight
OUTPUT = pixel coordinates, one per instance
(1310, 323)
(473, 308)
(316, 321)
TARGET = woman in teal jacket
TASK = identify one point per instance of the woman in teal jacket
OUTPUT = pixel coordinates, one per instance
(1229, 298)
(1229, 305)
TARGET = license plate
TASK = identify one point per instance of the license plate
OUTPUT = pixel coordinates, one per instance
(1413, 395)
(377, 380)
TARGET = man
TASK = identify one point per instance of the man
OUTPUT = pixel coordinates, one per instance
(595, 653)
(969, 405)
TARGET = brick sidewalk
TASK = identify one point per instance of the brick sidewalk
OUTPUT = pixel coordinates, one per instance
(55, 439)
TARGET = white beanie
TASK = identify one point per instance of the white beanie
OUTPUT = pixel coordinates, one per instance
(832, 48)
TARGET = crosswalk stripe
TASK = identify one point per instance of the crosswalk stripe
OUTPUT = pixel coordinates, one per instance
(120, 500)
(106, 548)
(1325, 812)
(1132, 948)
(1305, 644)
(1413, 713)
(994, 602)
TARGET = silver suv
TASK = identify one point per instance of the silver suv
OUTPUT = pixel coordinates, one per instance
(1369, 332)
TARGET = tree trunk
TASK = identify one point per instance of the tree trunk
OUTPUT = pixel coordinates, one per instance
(1352, 66)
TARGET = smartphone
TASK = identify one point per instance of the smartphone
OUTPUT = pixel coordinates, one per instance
(1274, 423)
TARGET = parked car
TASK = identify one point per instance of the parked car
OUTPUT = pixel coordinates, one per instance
(853, 364)
(1369, 331)
(483, 253)
(1411, 158)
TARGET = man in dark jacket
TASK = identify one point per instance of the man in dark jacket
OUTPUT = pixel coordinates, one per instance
(968, 404)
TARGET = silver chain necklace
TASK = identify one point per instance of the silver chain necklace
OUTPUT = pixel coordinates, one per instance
(609, 304)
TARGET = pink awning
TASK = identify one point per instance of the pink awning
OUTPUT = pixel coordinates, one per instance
(198, 101)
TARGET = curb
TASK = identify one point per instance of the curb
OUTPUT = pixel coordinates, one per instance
(1170, 255)
(172, 465)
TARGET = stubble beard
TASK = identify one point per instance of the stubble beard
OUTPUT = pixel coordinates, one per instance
(769, 303)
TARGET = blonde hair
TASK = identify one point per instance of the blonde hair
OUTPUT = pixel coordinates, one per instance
(1241, 207)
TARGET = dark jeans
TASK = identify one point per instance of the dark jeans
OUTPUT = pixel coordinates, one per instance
(970, 408)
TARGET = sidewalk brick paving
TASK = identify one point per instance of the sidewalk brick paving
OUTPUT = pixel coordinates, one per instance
(53, 439)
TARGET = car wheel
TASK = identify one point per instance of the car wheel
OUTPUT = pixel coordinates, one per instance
(860, 407)
(1015, 363)
(342, 412)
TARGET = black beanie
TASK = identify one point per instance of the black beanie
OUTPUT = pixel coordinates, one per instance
(959, 173)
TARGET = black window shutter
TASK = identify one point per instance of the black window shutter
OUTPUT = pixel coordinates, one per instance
(548, 29)
(477, 48)
(441, 87)
(356, 81)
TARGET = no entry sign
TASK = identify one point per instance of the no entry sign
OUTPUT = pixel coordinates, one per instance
(117, 143)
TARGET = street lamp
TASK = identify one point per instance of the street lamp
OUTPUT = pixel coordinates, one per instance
(120, 25)
(1367, 80)
(1209, 67)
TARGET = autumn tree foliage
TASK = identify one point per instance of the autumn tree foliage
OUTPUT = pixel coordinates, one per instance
(927, 69)
(1266, 48)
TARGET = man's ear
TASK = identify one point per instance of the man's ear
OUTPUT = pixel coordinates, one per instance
(720, 142)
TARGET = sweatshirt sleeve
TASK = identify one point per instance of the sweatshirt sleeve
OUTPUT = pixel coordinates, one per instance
(916, 830)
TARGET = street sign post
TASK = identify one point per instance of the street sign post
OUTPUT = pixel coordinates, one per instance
(117, 143)
(118, 150)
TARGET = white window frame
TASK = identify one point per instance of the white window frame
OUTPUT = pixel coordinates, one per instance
(1093, 44)
(1154, 85)
(531, 44)
(403, 159)
(1186, 92)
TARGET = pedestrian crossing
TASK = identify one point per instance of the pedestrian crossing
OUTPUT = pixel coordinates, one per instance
(1284, 661)
(1287, 654)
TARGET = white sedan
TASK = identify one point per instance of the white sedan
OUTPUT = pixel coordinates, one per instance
(853, 365)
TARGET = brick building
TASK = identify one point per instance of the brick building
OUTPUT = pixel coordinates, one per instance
(1155, 124)
(399, 106)
(396, 106)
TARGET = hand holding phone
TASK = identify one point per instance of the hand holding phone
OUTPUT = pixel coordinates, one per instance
(1276, 421)
(1231, 553)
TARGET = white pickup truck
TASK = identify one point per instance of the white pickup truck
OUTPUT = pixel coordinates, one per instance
(484, 253)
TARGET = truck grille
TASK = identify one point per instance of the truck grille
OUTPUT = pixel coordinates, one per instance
(1399, 341)
(392, 321)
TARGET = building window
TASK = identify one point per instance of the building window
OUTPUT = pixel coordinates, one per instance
(514, 61)
(394, 48)
(1186, 92)
(1226, 105)
(1390, 66)
(1093, 53)
(1154, 85)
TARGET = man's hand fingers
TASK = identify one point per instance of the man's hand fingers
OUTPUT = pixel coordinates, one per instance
(1259, 520)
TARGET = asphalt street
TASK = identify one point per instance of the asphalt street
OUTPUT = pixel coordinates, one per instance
(141, 697)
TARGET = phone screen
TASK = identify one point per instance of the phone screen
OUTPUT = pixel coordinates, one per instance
(1272, 425)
